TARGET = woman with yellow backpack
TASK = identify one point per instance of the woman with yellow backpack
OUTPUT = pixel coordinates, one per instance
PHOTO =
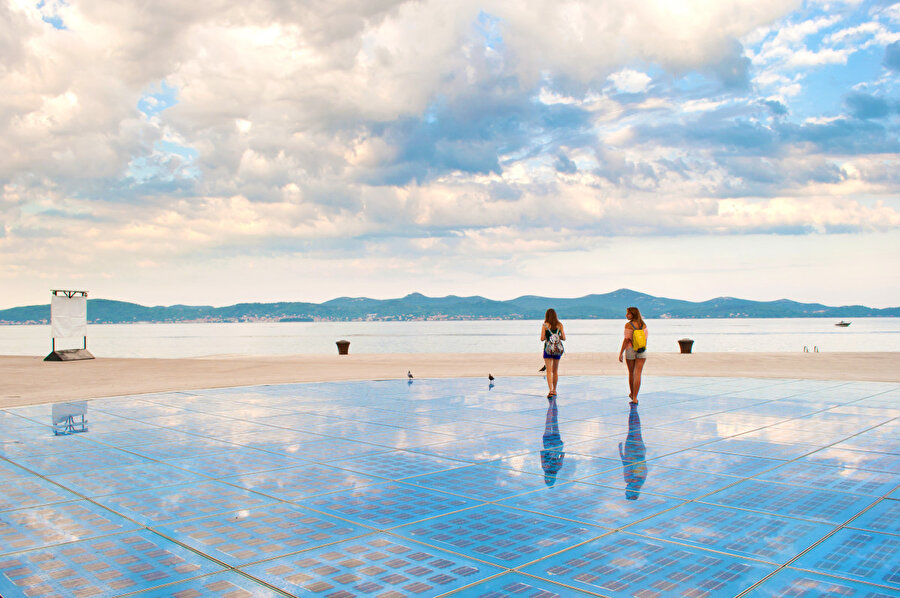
(634, 347)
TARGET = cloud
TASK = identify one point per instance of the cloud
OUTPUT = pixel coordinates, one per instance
(892, 56)
(777, 108)
(867, 106)
(630, 81)
(350, 129)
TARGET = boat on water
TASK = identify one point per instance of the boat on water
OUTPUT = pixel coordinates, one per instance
(843, 324)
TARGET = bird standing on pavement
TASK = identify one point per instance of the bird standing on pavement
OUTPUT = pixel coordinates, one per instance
(409, 374)
(490, 377)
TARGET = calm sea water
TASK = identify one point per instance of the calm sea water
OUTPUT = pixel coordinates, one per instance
(194, 340)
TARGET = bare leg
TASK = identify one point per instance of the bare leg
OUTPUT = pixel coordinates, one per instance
(555, 373)
(630, 364)
(548, 363)
(638, 368)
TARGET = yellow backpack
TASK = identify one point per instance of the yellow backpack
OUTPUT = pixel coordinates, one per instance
(638, 339)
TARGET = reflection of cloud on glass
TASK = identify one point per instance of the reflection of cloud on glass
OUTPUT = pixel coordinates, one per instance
(634, 454)
(553, 454)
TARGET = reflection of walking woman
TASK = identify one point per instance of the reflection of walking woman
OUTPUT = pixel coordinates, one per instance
(553, 454)
(552, 334)
(634, 455)
(634, 360)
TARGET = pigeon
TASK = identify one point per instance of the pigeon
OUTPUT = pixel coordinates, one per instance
(409, 374)
(543, 368)
(490, 377)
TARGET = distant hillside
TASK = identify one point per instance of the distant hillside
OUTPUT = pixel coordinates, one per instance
(417, 307)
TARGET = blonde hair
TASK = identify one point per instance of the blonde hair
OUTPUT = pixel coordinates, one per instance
(636, 320)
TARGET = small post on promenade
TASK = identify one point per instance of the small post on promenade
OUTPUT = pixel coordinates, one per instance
(685, 344)
(343, 347)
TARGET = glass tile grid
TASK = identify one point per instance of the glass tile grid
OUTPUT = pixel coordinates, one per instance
(802, 584)
(855, 459)
(195, 447)
(273, 436)
(556, 466)
(839, 479)
(125, 479)
(137, 409)
(379, 565)
(100, 568)
(677, 438)
(402, 438)
(262, 533)
(226, 420)
(302, 482)
(871, 444)
(856, 554)
(883, 517)
(325, 451)
(621, 565)
(799, 436)
(518, 585)
(36, 527)
(31, 491)
(112, 424)
(397, 465)
(592, 504)
(742, 533)
(133, 438)
(9, 471)
(175, 503)
(500, 535)
(792, 501)
(45, 444)
(218, 585)
(655, 479)
(476, 450)
(710, 462)
(81, 461)
(235, 462)
(760, 448)
(614, 448)
(482, 482)
(387, 505)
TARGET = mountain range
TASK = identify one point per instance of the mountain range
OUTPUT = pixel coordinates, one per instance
(416, 306)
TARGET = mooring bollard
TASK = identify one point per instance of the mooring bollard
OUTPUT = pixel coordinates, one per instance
(685, 344)
(343, 347)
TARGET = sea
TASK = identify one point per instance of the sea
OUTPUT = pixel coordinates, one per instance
(481, 336)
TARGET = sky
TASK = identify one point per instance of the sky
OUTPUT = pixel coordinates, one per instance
(217, 152)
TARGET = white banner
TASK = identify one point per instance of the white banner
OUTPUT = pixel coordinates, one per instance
(68, 317)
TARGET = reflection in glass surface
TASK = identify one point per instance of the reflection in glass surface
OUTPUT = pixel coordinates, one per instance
(69, 418)
(633, 454)
(553, 454)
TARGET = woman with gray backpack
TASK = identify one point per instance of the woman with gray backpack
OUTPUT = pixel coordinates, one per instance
(553, 334)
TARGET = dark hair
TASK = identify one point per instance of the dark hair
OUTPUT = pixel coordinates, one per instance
(636, 318)
(551, 319)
